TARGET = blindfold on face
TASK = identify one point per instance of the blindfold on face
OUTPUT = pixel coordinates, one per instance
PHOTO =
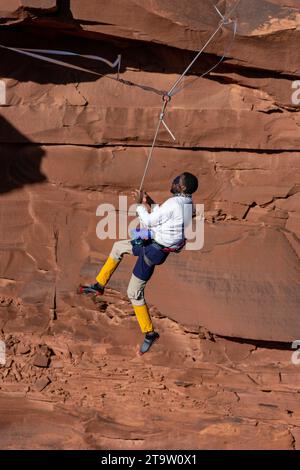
(176, 180)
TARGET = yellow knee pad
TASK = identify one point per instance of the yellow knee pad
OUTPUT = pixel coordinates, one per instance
(107, 270)
(143, 317)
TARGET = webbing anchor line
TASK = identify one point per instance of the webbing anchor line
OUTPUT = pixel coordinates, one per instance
(36, 53)
(166, 100)
(225, 20)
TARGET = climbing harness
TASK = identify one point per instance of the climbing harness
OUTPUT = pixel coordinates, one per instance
(177, 249)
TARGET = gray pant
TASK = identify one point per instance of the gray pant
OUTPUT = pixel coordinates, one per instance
(136, 286)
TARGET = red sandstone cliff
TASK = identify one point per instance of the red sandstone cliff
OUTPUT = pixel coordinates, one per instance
(70, 140)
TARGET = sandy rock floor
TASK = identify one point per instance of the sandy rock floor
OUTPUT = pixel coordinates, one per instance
(80, 385)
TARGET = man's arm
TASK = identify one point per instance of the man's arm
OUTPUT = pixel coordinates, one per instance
(148, 200)
(159, 215)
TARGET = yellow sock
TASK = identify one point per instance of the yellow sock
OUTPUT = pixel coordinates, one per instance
(107, 270)
(143, 317)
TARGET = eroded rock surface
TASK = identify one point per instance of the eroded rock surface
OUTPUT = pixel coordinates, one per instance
(193, 391)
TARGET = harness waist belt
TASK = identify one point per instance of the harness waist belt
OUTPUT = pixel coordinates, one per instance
(168, 249)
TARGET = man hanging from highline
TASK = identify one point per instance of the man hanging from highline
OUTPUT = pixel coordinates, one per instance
(165, 228)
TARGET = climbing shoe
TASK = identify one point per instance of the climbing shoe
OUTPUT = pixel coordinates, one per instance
(150, 338)
(95, 289)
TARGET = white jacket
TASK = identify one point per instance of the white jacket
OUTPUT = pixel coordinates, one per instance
(168, 221)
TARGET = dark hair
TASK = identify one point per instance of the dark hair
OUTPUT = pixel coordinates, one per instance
(190, 181)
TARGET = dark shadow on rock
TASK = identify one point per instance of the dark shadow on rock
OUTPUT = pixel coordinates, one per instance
(20, 162)
(62, 31)
(64, 9)
(139, 55)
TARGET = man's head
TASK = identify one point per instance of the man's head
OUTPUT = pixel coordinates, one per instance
(186, 183)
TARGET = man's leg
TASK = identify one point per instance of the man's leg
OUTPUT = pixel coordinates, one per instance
(135, 293)
(119, 249)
